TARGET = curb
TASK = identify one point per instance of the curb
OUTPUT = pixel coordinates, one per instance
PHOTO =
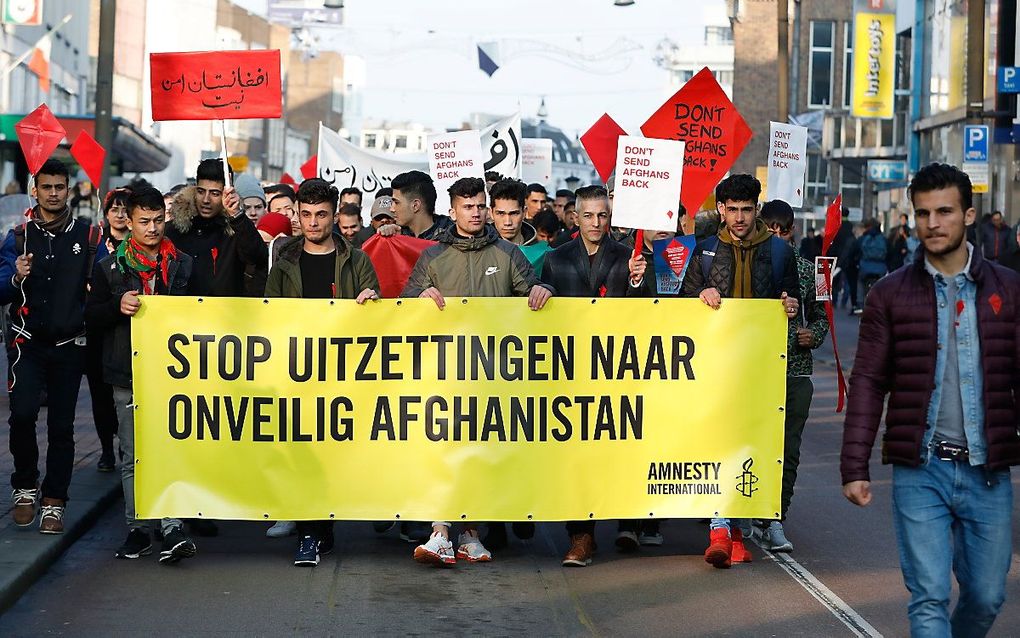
(25, 554)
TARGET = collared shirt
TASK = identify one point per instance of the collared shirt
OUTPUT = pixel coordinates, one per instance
(956, 411)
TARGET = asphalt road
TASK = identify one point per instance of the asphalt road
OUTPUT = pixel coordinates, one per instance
(845, 579)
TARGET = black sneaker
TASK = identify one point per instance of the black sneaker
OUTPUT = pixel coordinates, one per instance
(415, 533)
(495, 538)
(176, 546)
(106, 462)
(307, 552)
(138, 544)
(523, 530)
(203, 527)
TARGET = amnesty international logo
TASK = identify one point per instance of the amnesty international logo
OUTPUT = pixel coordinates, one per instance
(747, 480)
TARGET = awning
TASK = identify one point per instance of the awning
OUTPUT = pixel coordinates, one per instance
(133, 151)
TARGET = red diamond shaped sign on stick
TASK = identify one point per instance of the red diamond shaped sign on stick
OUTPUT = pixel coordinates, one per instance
(39, 134)
(701, 115)
(600, 142)
(90, 155)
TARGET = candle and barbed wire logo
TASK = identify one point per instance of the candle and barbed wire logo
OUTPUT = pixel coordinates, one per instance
(747, 480)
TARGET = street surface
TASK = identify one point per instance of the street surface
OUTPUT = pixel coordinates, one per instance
(844, 579)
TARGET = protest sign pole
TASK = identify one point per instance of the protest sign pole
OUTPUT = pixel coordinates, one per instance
(223, 153)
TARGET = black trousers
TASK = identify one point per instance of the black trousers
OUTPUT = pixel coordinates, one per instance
(103, 413)
(799, 392)
(58, 369)
(318, 530)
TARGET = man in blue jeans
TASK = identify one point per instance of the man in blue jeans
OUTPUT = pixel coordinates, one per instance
(941, 338)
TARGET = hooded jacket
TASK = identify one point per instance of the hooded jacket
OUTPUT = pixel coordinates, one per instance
(482, 266)
(742, 269)
(105, 320)
(896, 356)
(229, 254)
(528, 235)
(439, 224)
(352, 274)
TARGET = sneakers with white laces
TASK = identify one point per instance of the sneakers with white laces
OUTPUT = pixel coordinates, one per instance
(437, 550)
(470, 548)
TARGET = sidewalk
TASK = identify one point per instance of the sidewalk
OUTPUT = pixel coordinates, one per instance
(25, 554)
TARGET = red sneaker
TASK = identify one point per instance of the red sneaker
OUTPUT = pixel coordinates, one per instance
(739, 553)
(719, 548)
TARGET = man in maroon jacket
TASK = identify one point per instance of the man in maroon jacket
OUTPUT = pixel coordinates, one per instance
(942, 338)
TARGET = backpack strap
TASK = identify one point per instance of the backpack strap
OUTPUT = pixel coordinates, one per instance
(19, 238)
(708, 249)
(780, 252)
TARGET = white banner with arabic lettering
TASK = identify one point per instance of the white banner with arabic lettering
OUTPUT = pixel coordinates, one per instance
(346, 165)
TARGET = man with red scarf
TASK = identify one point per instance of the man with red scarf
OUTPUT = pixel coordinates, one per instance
(145, 263)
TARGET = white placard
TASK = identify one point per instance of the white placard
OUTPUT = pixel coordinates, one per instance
(648, 176)
(787, 162)
(536, 160)
(453, 156)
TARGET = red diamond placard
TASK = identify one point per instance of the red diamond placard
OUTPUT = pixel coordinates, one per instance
(600, 143)
(39, 134)
(701, 115)
(89, 155)
(310, 168)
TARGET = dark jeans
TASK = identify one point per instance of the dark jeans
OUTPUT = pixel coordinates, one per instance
(318, 530)
(799, 392)
(580, 527)
(104, 414)
(58, 369)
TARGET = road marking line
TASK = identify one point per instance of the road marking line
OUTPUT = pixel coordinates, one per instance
(844, 612)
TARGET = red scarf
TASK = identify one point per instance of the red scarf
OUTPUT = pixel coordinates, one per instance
(145, 267)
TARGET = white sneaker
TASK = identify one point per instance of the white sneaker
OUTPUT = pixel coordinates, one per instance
(437, 550)
(470, 548)
(282, 529)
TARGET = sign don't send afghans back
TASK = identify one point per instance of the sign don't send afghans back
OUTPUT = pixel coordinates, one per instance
(605, 408)
(216, 85)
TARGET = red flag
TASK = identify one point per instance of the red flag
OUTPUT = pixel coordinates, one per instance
(216, 85)
(90, 155)
(600, 142)
(394, 258)
(39, 134)
(39, 63)
(833, 220)
(310, 168)
(701, 115)
(287, 179)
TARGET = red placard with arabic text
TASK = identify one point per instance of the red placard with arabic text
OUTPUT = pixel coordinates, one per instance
(216, 85)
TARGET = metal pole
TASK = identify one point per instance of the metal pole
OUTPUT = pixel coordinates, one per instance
(783, 97)
(975, 59)
(104, 84)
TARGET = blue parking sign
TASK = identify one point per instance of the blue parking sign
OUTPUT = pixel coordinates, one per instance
(975, 143)
(1009, 79)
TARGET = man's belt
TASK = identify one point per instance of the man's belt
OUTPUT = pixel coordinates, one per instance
(951, 452)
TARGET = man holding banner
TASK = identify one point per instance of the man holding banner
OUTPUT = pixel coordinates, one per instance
(321, 265)
(146, 263)
(470, 260)
(745, 260)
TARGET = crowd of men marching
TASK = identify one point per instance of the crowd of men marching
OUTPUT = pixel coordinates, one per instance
(73, 287)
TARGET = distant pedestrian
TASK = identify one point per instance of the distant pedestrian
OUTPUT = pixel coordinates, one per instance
(940, 338)
(996, 238)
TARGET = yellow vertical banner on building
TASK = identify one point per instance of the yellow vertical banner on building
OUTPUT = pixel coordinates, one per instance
(874, 59)
(302, 409)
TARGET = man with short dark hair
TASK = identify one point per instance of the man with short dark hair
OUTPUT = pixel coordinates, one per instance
(940, 338)
(350, 195)
(996, 238)
(230, 256)
(145, 263)
(803, 337)
(349, 222)
(320, 265)
(507, 212)
(743, 261)
(45, 265)
(547, 227)
(534, 200)
(470, 260)
(563, 196)
(413, 207)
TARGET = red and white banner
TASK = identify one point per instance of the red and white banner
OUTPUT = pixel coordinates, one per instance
(216, 85)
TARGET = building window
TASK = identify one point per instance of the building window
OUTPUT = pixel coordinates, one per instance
(817, 179)
(820, 64)
(718, 35)
(850, 187)
(848, 62)
(400, 141)
(369, 140)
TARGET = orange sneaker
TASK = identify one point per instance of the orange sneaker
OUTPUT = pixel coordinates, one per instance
(719, 548)
(739, 553)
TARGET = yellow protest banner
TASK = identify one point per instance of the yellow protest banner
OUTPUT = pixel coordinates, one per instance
(874, 64)
(303, 409)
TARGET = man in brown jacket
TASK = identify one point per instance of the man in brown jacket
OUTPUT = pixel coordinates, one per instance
(942, 338)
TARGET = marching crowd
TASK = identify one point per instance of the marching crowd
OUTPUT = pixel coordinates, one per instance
(73, 287)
